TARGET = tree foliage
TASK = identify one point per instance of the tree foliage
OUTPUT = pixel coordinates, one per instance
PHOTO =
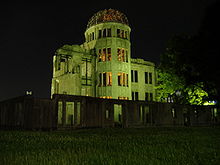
(190, 66)
(178, 78)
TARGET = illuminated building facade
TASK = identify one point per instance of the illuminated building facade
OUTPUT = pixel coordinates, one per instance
(102, 66)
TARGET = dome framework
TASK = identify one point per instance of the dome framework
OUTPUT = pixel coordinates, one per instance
(107, 15)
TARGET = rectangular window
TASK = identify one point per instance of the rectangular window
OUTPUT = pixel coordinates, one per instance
(104, 33)
(126, 35)
(100, 34)
(126, 56)
(146, 77)
(132, 76)
(93, 35)
(109, 54)
(132, 95)
(122, 55)
(150, 78)
(151, 96)
(118, 32)
(122, 34)
(146, 96)
(100, 79)
(69, 113)
(127, 80)
(135, 76)
(104, 54)
(100, 55)
(109, 32)
(119, 54)
(57, 63)
(104, 79)
(109, 78)
(136, 96)
(123, 79)
(119, 79)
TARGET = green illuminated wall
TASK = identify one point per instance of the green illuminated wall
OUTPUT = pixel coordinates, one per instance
(146, 79)
(73, 71)
(114, 65)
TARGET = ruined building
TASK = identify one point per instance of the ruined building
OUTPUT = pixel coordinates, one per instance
(118, 86)
(102, 66)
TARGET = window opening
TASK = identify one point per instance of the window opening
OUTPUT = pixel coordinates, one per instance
(146, 96)
(126, 55)
(104, 33)
(118, 32)
(100, 79)
(132, 76)
(135, 76)
(93, 35)
(126, 35)
(136, 96)
(109, 78)
(146, 77)
(122, 79)
(122, 34)
(150, 78)
(132, 93)
(104, 54)
(100, 55)
(100, 34)
(109, 32)
(119, 79)
(109, 54)
(127, 80)
(122, 55)
(104, 79)
(151, 96)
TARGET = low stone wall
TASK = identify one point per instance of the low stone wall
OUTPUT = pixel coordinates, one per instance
(28, 113)
(68, 112)
(96, 112)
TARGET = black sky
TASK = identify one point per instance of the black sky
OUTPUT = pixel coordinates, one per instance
(31, 32)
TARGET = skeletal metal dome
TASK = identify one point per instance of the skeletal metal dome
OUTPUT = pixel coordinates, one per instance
(107, 15)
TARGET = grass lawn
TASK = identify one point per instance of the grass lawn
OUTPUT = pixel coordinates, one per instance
(112, 146)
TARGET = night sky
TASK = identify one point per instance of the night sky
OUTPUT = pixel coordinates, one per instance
(31, 32)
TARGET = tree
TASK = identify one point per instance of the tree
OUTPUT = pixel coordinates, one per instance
(178, 78)
(208, 49)
(190, 66)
